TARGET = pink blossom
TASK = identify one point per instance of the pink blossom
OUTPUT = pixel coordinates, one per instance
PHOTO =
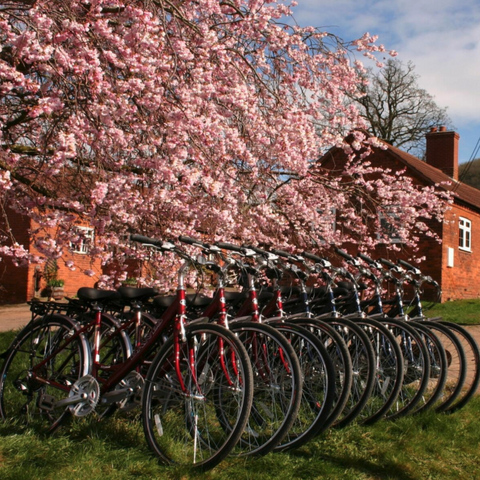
(161, 123)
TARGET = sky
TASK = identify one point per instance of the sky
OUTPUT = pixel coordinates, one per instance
(441, 38)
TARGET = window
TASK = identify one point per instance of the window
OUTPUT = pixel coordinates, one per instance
(84, 242)
(388, 220)
(465, 234)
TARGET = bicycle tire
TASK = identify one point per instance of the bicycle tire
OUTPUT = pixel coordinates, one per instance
(416, 367)
(318, 390)
(363, 367)
(201, 425)
(338, 352)
(277, 387)
(456, 364)
(438, 367)
(472, 356)
(388, 374)
(43, 362)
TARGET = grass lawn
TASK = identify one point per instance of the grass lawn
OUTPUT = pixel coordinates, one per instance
(426, 446)
(464, 312)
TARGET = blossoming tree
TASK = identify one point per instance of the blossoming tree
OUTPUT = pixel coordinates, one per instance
(168, 117)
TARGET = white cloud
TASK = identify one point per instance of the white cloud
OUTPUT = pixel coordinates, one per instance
(441, 38)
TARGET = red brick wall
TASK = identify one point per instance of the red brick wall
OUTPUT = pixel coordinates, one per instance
(74, 279)
(14, 281)
(461, 281)
(18, 283)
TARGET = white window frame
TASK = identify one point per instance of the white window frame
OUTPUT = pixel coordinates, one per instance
(464, 234)
(84, 246)
(386, 227)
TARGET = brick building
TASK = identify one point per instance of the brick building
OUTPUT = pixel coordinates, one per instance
(22, 283)
(454, 263)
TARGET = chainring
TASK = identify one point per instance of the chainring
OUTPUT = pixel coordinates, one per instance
(85, 385)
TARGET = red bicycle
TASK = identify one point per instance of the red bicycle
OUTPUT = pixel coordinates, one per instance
(198, 390)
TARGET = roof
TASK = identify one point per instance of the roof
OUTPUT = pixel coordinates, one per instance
(461, 192)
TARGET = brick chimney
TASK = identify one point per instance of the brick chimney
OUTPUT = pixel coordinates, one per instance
(442, 151)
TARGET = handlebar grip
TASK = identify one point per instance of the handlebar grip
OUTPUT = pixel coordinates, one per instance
(431, 281)
(281, 253)
(407, 265)
(312, 257)
(191, 241)
(388, 263)
(344, 254)
(229, 246)
(256, 249)
(366, 258)
(145, 240)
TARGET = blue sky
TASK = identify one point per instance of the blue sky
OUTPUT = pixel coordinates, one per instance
(441, 38)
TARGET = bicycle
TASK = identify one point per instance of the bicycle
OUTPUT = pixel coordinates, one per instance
(202, 375)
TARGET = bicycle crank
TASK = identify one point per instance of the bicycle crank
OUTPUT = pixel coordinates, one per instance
(83, 396)
(133, 384)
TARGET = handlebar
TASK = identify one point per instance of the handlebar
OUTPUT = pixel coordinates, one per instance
(344, 254)
(409, 267)
(260, 251)
(160, 244)
(366, 259)
(282, 253)
(192, 241)
(312, 257)
(145, 240)
(388, 263)
(230, 246)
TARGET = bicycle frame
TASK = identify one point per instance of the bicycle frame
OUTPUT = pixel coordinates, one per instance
(175, 316)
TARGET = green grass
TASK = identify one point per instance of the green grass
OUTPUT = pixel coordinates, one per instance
(464, 312)
(427, 446)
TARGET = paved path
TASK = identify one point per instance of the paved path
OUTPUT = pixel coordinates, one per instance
(13, 317)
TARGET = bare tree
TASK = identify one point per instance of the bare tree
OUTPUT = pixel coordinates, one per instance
(397, 110)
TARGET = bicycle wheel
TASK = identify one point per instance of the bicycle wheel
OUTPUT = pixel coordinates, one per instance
(416, 367)
(318, 392)
(197, 397)
(456, 364)
(363, 368)
(44, 361)
(438, 367)
(338, 352)
(388, 371)
(277, 387)
(472, 356)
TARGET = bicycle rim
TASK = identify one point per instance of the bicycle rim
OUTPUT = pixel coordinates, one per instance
(438, 367)
(277, 387)
(416, 367)
(43, 364)
(456, 365)
(197, 423)
(388, 371)
(472, 357)
(318, 389)
(363, 368)
(338, 352)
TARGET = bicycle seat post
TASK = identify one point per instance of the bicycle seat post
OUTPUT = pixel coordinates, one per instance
(97, 309)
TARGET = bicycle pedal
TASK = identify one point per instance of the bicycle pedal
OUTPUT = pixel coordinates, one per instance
(46, 402)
